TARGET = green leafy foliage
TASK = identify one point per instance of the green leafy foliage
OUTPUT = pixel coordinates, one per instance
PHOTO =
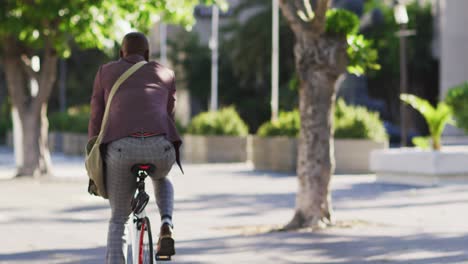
(225, 121)
(358, 122)
(180, 127)
(89, 23)
(457, 99)
(342, 22)
(287, 124)
(362, 55)
(350, 122)
(422, 142)
(436, 118)
(75, 119)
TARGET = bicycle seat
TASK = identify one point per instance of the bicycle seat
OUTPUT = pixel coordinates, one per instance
(146, 167)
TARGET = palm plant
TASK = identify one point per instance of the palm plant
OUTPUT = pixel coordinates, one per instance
(436, 118)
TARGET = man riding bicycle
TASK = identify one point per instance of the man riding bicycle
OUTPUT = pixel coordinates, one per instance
(140, 129)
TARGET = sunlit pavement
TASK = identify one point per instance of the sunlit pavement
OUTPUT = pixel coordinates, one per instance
(222, 212)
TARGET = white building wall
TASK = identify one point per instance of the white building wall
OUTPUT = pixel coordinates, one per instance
(454, 44)
(454, 49)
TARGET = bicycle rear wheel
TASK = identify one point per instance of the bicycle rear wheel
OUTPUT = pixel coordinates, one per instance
(145, 243)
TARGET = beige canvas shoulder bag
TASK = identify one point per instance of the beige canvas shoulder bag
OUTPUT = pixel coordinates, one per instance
(94, 162)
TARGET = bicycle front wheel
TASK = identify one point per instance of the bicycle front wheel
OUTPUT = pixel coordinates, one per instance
(145, 243)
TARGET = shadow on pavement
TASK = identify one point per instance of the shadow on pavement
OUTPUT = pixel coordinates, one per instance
(295, 247)
(256, 204)
(290, 247)
(249, 202)
(77, 209)
(263, 173)
(374, 190)
(74, 256)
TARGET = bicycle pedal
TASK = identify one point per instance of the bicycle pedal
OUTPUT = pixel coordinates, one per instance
(163, 258)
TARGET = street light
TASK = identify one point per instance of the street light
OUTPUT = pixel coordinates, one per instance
(275, 61)
(401, 15)
(214, 58)
(401, 18)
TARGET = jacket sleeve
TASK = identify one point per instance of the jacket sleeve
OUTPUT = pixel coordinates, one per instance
(97, 107)
(171, 99)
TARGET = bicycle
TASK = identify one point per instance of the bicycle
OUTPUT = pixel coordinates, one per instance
(140, 228)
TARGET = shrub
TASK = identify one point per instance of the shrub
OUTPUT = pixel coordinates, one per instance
(288, 124)
(350, 122)
(180, 127)
(457, 100)
(226, 121)
(358, 122)
(75, 120)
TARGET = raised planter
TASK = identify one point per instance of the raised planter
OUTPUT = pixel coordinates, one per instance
(55, 140)
(280, 154)
(352, 155)
(214, 149)
(74, 143)
(273, 153)
(421, 168)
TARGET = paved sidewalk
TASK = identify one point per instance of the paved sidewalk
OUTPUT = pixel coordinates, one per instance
(221, 211)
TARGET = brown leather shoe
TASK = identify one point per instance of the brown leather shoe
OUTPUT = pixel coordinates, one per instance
(165, 248)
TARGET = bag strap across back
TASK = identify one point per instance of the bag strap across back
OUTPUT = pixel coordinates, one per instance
(114, 89)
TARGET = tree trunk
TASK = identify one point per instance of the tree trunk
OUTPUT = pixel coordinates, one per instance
(320, 60)
(32, 110)
(36, 154)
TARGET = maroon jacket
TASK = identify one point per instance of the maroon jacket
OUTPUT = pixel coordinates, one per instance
(144, 102)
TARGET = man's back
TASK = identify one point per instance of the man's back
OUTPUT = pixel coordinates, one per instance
(143, 103)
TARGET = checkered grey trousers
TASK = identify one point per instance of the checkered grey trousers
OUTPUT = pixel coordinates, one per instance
(121, 185)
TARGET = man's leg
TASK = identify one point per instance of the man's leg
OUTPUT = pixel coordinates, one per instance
(121, 186)
(164, 193)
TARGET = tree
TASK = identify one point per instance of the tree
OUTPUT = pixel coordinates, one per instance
(326, 46)
(46, 29)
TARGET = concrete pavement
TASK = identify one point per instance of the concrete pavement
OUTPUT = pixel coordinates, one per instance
(223, 212)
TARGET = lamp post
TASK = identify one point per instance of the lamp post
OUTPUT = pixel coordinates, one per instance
(401, 18)
(275, 62)
(214, 58)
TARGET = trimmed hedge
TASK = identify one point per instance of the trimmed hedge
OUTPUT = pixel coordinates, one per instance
(358, 122)
(288, 124)
(75, 120)
(350, 122)
(225, 122)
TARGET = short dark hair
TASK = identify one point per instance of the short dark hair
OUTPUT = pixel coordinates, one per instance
(135, 43)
